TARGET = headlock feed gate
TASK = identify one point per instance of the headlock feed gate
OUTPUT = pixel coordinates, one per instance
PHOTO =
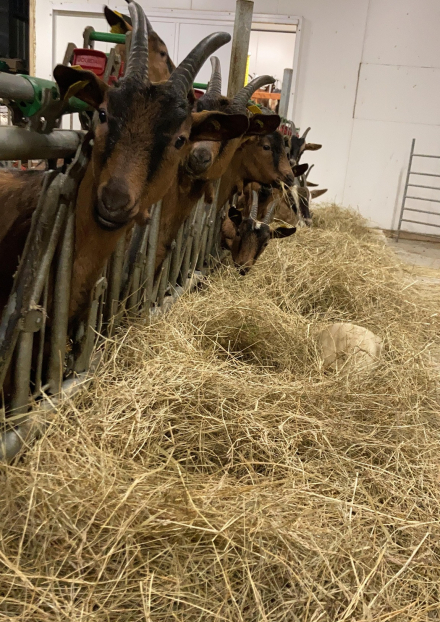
(41, 357)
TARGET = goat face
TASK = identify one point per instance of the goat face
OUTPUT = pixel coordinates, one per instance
(161, 65)
(144, 130)
(211, 159)
(266, 160)
(247, 238)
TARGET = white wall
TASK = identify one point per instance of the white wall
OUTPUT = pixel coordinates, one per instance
(368, 82)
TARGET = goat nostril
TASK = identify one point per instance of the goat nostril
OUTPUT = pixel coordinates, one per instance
(115, 197)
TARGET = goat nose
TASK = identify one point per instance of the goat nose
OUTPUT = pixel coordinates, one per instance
(200, 160)
(115, 204)
(115, 196)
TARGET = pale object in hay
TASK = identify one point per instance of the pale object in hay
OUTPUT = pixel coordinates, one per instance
(347, 347)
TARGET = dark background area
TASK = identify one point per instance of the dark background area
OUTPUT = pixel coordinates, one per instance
(14, 31)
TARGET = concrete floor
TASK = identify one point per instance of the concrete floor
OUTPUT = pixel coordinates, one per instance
(423, 254)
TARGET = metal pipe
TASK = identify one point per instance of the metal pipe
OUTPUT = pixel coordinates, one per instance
(176, 258)
(139, 266)
(164, 280)
(151, 255)
(16, 88)
(114, 287)
(417, 222)
(408, 173)
(17, 142)
(286, 89)
(22, 373)
(60, 304)
(198, 219)
(240, 45)
(40, 356)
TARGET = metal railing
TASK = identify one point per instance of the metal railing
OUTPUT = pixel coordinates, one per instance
(38, 356)
(406, 196)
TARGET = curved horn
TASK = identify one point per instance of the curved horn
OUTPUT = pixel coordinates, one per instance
(254, 210)
(215, 83)
(137, 66)
(183, 77)
(305, 133)
(268, 218)
(241, 98)
(308, 172)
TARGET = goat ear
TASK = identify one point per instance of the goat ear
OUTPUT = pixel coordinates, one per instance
(299, 169)
(283, 232)
(235, 216)
(312, 147)
(119, 23)
(262, 124)
(312, 185)
(80, 83)
(217, 125)
(317, 193)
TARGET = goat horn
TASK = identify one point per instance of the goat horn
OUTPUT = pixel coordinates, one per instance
(308, 172)
(137, 66)
(183, 77)
(306, 132)
(268, 218)
(241, 98)
(215, 83)
(254, 210)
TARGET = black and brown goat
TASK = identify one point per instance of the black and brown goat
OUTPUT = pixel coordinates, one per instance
(208, 160)
(246, 236)
(161, 65)
(145, 131)
(296, 145)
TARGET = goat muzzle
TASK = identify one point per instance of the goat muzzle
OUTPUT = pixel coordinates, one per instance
(200, 159)
(115, 206)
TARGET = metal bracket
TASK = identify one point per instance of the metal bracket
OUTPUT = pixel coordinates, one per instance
(33, 320)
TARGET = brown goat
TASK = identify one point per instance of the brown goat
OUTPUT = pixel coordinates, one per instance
(207, 161)
(145, 131)
(161, 65)
(246, 236)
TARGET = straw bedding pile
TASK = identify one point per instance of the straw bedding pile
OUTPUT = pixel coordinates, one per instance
(214, 470)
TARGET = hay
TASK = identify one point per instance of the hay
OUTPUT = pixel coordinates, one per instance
(215, 472)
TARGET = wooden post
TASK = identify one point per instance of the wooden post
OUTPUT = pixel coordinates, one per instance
(240, 45)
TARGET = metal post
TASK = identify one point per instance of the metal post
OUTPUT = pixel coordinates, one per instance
(60, 305)
(176, 258)
(408, 173)
(240, 45)
(285, 93)
(151, 256)
(114, 283)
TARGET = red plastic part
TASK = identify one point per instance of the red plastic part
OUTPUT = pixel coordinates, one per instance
(92, 60)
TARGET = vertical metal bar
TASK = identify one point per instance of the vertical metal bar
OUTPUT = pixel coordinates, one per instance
(198, 223)
(39, 370)
(176, 258)
(164, 280)
(114, 288)
(240, 45)
(296, 60)
(285, 93)
(60, 305)
(133, 289)
(408, 173)
(22, 373)
(186, 259)
(151, 256)
(204, 240)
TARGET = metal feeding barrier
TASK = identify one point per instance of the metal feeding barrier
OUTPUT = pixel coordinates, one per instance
(40, 359)
(409, 184)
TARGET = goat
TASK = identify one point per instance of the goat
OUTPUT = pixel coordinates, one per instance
(247, 237)
(208, 161)
(295, 146)
(161, 65)
(145, 130)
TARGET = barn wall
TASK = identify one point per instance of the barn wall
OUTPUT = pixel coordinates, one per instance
(369, 76)
(399, 85)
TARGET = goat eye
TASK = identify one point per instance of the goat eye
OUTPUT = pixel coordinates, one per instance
(180, 142)
(163, 54)
(266, 147)
(102, 116)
